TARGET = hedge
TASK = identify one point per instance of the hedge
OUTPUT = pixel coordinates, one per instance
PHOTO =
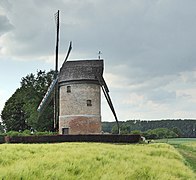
(74, 138)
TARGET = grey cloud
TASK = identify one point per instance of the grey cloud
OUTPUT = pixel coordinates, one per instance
(161, 96)
(6, 5)
(5, 25)
(153, 36)
(151, 44)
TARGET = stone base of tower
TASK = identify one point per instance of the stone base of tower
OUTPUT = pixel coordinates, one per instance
(80, 124)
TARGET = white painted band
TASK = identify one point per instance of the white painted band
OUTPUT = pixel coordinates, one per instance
(82, 115)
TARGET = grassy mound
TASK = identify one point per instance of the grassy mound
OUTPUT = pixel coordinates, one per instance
(92, 161)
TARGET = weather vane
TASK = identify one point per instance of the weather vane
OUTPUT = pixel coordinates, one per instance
(99, 54)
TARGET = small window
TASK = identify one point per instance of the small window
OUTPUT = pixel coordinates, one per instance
(89, 103)
(68, 89)
(65, 131)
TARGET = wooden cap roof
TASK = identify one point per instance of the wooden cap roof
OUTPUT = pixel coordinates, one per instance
(81, 70)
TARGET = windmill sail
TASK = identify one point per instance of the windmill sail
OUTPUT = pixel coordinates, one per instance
(68, 52)
(56, 72)
(50, 92)
(48, 96)
(53, 89)
(107, 96)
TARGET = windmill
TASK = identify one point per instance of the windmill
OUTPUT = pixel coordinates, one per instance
(76, 93)
(80, 83)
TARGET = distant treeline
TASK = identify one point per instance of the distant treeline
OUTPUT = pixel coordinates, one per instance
(184, 128)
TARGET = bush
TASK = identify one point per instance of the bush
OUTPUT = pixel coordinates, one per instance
(160, 133)
(2, 140)
(44, 133)
(26, 132)
(14, 133)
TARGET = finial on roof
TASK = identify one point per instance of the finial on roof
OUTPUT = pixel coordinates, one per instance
(99, 54)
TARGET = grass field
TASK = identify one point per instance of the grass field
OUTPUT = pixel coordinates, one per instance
(186, 147)
(174, 141)
(182, 141)
(188, 151)
(92, 161)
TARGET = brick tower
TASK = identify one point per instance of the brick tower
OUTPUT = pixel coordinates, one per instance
(80, 97)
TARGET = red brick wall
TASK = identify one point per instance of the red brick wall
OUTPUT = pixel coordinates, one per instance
(81, 124)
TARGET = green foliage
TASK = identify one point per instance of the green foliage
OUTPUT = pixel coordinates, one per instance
(14, 133)
(13, 114)
(92, 161)
(177, 131)
(159, 133)
(1, 128)
(124, 129)
(136, 132)
(183, 128)
(20, 111)
(107, 126)
(44, 133)
(28, 133)
(114, 129)
(2, 138)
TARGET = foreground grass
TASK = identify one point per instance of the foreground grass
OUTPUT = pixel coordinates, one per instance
(92, 161)
(188, 150)
(186, 147)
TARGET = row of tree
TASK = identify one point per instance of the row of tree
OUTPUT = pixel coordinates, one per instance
(20, 110)
(183, 128)
(159, 133)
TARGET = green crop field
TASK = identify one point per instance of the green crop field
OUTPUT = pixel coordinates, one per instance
(93, 161)
(181, 140)
(187, 148)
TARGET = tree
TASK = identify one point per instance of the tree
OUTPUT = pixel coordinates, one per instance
(13, 114)
(159, 133)
(20, 111)
(177, 131)
(125, 129)
(183, 128)
(114, 129)
(1, 128)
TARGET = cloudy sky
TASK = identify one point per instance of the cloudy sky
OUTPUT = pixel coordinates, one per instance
(149, 49)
